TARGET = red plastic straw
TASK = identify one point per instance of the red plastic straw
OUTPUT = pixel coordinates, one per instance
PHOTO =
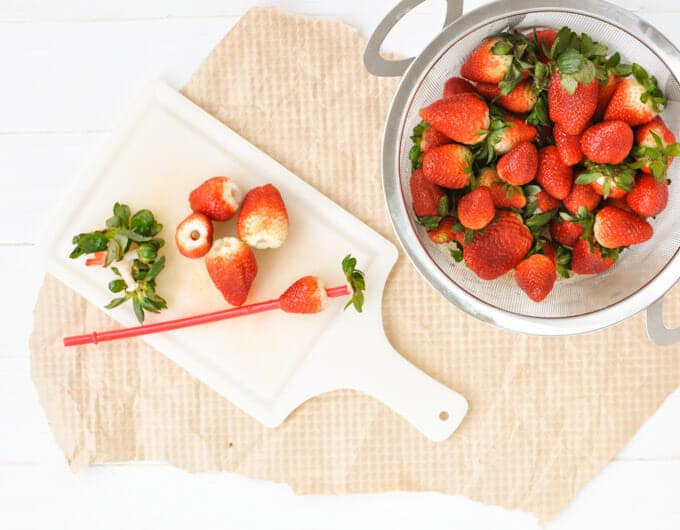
(136, 331)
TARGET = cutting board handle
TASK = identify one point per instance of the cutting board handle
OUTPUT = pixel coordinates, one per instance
(428, 405)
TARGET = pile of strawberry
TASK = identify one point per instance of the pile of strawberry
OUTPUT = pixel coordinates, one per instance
(546, 157)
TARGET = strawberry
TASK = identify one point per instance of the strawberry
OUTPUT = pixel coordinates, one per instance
(553, 175)
(549, 250)
(521, 99)
(605, 95)
(194, 236)
(568, 146)
(448, 230)
(232, 267)
(587, 260)
(607, 180)
(581, 195)
(656, 147)
(461, 117)
(608, 142)
(484, 66)
(217, 197)
(620, 203)
(636, 100)
(432, 138)
(263, 220)
(504, 195)
(649, 197)
(536, 276)
(547, 203)
(617, 228)
(544, 39)
(457, 85)
(499, 248)
(449, 166)
(476, 208)
(306, 295)
(519, 166)
(565, 232)
(572, 111)
(615, 192)
(514, 133)
(427, 197)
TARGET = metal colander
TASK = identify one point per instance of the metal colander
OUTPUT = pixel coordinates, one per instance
(642, 275)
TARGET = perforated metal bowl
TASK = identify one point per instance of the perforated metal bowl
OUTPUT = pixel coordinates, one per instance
(581, 304)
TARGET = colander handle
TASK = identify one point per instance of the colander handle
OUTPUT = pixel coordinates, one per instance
(381, 67)
(656, 329)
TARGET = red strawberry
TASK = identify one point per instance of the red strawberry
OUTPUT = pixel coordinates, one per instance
(499, 248)
(549, 250)
(581, 195)
(605, 95)
(521, 99)
(616, 228)
(657, 156)
(457, 85)
(232, 268)
(432, 138)
(460, 117)
(636, 99)
(483, 66)
(544, 38)
(620, 203)
(585, 260)
(516, 132)
(649, 196)
(519, 166)
(476, 208)
(306, 295)
(566, 233)
(504, 195)
(568, 146)
(489, 91)
(263, 220)
(614, 191)
(445, 233)
(608, 142)
(536, 276)
(553, 175)
(572, 111)
(427, 197)
(217, 197)
(449, 166)
(194, 236)
(546, 203)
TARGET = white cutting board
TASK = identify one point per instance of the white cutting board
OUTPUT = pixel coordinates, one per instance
(270, 363)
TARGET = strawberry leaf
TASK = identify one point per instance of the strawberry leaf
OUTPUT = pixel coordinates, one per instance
(356, 280)
(456, 251)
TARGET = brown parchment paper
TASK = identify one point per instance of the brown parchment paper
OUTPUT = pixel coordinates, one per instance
(545, 414)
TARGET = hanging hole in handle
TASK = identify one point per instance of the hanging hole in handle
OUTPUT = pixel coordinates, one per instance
(411, 34)
(444, 415)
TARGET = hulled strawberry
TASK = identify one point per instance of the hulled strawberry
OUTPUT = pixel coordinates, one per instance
(427, 197)
(553, 175)
(504, 195)
(519, 165)
(565, 232)
(232, 268)
(521, 99)
(588, 259)
(568, 146)
(217, 197)
(485, 64)
(649, 197)
(476, 208)
(462, 117)
(636, 99)
(457, 85)
(263, 220)
(581, 195)
(572, 111)
(656, 147)
(449, 166)
(307, 295)
(608, 142)
(616, 228)
(511, 135)
(499, 248)
(447, 231)
(536, 276)
(194, 235)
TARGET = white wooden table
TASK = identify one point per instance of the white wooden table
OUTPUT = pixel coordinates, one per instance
(68, 69)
